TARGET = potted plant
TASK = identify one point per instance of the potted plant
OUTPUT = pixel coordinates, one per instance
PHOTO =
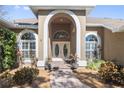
(48, 64)
(74, 61)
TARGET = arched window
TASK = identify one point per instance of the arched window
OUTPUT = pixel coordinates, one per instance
(28, 45)
(61, 35)
(92, 47)
(28, 36)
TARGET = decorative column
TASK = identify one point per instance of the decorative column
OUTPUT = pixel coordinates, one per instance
(49, 51)
(80, 42)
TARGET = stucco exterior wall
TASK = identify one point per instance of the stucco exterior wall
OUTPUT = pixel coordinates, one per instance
(82, 18)
(73, 40)
(107, 45)
(114, 46)
(41, 19)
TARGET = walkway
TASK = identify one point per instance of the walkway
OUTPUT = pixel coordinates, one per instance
(60, 64)
(64, 78)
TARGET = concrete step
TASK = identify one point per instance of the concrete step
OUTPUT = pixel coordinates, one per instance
(60, 64)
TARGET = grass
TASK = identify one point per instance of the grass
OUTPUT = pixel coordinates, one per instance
(95, 64)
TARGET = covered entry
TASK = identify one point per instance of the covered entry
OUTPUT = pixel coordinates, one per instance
(61, 28)
(62, 36)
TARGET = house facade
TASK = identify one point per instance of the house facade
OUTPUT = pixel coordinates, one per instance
(61, 31)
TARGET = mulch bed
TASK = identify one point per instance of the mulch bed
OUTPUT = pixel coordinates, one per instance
(91, 78)
(42, 81)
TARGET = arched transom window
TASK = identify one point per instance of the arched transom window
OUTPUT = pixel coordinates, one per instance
(92, 44)
(28, 45)
(61, 35)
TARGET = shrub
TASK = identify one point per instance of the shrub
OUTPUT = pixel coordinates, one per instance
(95, 64)
(25, 75)
(6, 80)
(7, 44)
(111, 73)
(106, 71)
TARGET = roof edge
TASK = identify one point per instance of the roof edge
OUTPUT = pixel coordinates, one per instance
(36, 8)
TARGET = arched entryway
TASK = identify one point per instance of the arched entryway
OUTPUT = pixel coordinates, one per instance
(62, 35)
(46, 30)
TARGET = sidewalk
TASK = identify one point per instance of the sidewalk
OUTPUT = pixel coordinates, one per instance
(64, 78)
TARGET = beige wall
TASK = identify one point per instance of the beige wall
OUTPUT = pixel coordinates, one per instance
(42, 14)
(41, 19)
(82, 18)
(114, 46)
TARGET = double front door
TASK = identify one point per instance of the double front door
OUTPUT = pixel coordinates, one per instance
(60, 49)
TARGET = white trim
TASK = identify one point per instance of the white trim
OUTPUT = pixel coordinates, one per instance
(41, 63)
(26, 31)
(57, 59)
(82, 63)
(27, 61)
(45, 33)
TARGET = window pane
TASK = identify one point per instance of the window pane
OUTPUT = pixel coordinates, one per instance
(87, 54)
(32, 45)
(28, 36)
(56, 50)
(87, 46)
(65, 50)
(25, 45)
(32, 53)
(91, 38)
(28, 45)
(91, 46)
(25, 54)
(61, 35)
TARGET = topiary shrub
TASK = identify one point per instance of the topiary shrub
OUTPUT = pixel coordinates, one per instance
(111, 73)
(95, 64)
(25, 75)
(6, 80)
